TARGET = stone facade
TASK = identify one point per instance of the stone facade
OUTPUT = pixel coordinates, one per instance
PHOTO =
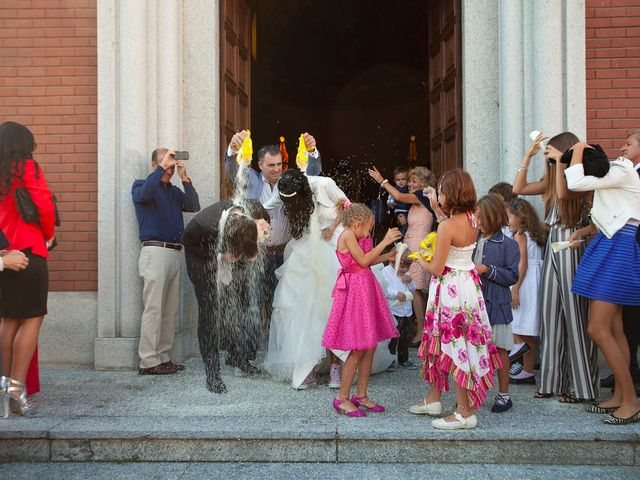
(121, 78)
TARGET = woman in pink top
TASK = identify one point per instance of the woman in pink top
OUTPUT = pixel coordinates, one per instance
(420, 219)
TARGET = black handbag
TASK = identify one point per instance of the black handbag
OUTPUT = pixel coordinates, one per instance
(28, 209)
(378, 207)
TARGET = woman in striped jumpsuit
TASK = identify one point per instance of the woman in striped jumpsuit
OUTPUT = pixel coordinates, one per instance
(569, 358)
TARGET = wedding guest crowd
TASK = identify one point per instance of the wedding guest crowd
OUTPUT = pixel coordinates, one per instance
(503, 293)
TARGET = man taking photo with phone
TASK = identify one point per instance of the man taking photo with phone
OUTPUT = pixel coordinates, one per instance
(159, 205)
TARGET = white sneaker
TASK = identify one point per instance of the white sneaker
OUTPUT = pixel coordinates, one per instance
(424, 408)
(334, 376)
(458, 424)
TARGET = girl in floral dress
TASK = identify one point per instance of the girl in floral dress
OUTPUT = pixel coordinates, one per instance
(457, 334)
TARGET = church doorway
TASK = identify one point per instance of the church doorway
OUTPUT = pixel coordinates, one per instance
(362, 76)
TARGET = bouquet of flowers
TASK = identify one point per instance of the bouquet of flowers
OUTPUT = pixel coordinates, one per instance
(427, 248)
(264, 230)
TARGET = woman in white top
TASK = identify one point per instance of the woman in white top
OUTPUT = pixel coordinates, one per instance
(609, 272)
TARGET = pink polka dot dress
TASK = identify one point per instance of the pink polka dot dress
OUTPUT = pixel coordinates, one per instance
(360, 317)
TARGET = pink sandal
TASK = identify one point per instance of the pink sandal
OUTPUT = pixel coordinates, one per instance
(357, 401)
(355, 413)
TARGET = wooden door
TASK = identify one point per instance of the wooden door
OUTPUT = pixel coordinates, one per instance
(235, 77)
(445, 83)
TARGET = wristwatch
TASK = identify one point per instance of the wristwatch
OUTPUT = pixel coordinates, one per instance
(383, 182)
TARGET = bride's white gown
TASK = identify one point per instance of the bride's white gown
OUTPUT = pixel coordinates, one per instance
(302, 300)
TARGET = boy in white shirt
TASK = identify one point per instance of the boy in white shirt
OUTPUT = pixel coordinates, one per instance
(399, 288)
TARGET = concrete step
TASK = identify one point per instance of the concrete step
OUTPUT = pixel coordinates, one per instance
(319, 471)
(89, 416)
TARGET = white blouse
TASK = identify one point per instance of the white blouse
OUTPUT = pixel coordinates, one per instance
(616, 200)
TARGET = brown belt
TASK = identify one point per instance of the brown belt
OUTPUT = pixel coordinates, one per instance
(275, 249)
(157, 243)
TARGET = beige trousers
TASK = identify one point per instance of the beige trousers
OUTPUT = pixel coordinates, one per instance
(160, 269)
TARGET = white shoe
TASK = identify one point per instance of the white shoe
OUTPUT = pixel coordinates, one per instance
(334, 376)
(459, 423)
(424, 408)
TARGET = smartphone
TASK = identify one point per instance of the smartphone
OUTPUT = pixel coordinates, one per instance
(181, 155)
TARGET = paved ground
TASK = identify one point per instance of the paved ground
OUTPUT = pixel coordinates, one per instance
(320, 471)
(90, 416)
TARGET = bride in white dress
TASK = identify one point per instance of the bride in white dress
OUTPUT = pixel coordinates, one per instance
(302, 300)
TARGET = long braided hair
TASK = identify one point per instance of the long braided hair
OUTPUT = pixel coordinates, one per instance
(16, 147)
(297, 197)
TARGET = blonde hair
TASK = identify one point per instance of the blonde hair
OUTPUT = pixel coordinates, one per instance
(425, 175)
(355, 212)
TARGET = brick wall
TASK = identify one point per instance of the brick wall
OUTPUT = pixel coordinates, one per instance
(48, 82)
(613, 71)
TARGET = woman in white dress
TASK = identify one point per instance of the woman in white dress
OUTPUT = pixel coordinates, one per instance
(302, 300)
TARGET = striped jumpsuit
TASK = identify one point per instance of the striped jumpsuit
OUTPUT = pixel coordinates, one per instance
(569, 358)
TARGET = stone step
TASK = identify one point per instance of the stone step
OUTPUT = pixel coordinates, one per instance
(319, 471)
(376, 439)
(89, 416)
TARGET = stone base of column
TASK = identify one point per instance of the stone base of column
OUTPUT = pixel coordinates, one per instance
(121, 353)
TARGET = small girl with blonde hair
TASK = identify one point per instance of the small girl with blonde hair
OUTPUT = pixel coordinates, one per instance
(360, 317)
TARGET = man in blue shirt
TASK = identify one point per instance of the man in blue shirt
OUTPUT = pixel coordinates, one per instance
(159, 205)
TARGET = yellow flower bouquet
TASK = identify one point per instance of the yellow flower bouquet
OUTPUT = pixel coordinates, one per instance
(427, 248)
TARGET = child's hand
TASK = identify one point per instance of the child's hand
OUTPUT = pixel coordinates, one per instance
(481, 268)
(406, 278)
(391, 236)
(401, 297)
(515, 297)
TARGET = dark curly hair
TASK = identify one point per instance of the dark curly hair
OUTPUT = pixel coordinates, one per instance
(297, 197)
(16, 147)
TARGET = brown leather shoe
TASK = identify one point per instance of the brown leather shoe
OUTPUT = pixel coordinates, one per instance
(179, 366)
(161, 369)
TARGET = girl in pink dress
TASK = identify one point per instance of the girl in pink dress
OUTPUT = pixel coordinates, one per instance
(360, 317)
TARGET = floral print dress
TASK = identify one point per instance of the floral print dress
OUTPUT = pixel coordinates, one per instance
(457, 336)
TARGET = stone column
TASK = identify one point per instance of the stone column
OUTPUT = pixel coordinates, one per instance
(523, 65)
(511, 86)
(141, 101)
(480, 91)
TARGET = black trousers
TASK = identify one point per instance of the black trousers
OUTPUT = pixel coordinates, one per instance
(225, 314)
(270, 282)
(631, 324)
(401, 344)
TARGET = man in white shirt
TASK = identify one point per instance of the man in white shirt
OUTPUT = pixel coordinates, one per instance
(399, 288)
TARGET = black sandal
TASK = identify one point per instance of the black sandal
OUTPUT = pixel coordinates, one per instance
(568, 398)
(539, 394)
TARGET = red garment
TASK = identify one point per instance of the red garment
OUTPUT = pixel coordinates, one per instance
(33, 376)
(22, 235)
